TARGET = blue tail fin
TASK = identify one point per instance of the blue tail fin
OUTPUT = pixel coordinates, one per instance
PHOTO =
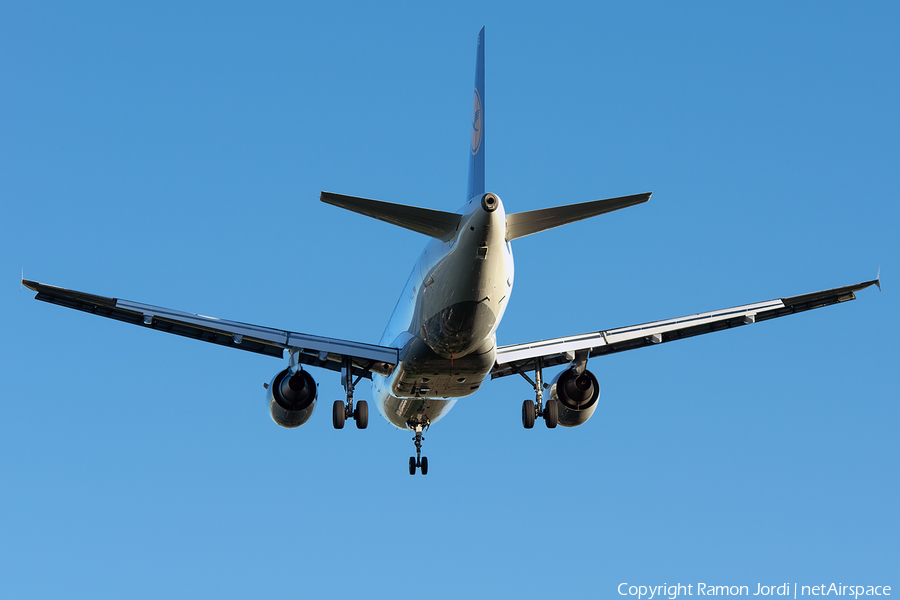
(476, 150)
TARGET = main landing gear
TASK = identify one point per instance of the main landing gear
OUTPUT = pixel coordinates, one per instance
(532, 409)
(418, 461)
(342, 410)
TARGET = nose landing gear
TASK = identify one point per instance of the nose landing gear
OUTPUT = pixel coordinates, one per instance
(418, 461)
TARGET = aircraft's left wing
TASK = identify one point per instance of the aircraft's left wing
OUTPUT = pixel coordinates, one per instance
(313, 350)
(521, 358)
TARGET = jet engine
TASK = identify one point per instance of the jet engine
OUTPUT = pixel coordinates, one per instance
(292, 398)
(577, 396)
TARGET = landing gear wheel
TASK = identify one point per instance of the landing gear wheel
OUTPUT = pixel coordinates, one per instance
(417, 461)
(551, 413)
(338, 414)
(528, 414)
(361, 414)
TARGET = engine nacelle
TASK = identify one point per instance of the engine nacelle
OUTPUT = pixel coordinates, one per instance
(577, 395)
(292, 398)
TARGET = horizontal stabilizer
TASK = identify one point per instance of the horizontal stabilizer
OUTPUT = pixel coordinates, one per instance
(525, 223)
(435, 223)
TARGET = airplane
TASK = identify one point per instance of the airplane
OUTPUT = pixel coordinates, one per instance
(440, 343)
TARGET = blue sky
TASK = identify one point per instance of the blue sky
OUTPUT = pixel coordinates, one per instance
(174, 154)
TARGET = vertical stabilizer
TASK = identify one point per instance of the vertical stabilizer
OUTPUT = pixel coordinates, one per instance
(476, 149)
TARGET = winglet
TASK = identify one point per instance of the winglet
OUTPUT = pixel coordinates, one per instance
(878, 278)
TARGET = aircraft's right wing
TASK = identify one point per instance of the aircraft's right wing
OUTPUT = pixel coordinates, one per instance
(521, 358)
(328, 353)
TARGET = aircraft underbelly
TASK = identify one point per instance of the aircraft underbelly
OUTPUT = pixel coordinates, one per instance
(424, 373)
(401, 412)
(425, 386)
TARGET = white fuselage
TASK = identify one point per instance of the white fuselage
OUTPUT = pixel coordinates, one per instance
(445, 321)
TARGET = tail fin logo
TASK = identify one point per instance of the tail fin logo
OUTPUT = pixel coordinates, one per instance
(477, 124)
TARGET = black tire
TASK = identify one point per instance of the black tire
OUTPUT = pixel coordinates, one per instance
(528, 414)
(337, 415)
(412, 465)
(424, 466)
(551, 413)
(361, 414)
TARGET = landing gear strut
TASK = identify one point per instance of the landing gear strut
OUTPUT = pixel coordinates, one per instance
(418, 461)
(345, 410)
(536, 408)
